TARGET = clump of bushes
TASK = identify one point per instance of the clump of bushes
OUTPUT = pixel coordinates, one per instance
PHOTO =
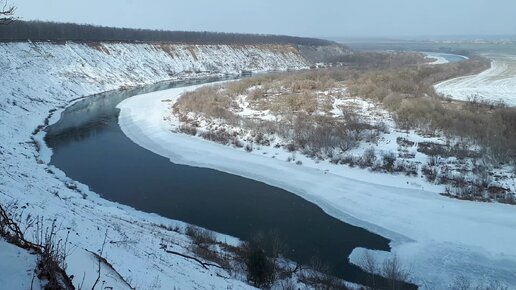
(430, 172)
(200, 236)
(208, 100)
(408, 93)
(388, 161)
(187, 129)
(220, 136)
(260, 268)
(319, 276)
(368, 158)
(249, 147)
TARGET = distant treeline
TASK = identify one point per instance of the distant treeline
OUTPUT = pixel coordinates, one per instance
(53, 31)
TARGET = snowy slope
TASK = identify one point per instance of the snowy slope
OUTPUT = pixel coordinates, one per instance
(42, 69)
(439, 238)
(17, 268)
(39, 77)
(498, 83)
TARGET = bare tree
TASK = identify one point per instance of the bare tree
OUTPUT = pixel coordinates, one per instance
(370, 265)
(395, 273)
(6, 12)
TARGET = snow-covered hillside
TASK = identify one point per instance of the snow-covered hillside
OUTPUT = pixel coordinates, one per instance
(42, 69)
(40, 77)
(17, 268)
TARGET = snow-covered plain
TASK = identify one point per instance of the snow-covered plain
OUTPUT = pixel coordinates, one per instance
(41, 77)
(497, 83)
(438, 238)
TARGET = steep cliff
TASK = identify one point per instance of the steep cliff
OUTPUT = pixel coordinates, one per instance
(38, 78)
(41, 69)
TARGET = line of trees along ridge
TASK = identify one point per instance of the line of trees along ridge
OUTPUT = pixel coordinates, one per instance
(54, 31)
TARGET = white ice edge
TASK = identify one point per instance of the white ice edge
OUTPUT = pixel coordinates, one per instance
(437, 236)
(440, 57)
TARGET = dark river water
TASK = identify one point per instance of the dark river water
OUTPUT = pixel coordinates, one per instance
(89, 146)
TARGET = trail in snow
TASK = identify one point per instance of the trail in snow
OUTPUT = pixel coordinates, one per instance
(438, 237)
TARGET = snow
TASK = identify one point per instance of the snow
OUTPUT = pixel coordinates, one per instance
(18, 268)
(438, 237)
(336, 110)
(497, 83)
(39, 77)
(440, 58)
(246, 111)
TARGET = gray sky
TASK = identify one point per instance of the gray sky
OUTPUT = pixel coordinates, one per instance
(322, 18)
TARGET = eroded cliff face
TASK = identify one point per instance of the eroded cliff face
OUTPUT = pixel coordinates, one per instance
(41, 69)
(323, 53)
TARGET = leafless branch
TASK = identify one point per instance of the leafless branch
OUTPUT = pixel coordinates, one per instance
(6, 12)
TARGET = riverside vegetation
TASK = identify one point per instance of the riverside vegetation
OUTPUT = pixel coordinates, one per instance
(338, 113)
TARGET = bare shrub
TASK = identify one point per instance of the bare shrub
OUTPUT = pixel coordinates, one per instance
(290, 147)
(187, 129)
(395, 273)
(407, 167)
(368, 157)
(208, 253)
(408, 92)
(52, 261)
(249, 147)
(319, 276)
(260, 269)
(220, 136)
(208, 100)
(261, 139)
(200, 236)
(237, 143)
(369, 264)
(52, 251)
(389, 160)
(430, 172)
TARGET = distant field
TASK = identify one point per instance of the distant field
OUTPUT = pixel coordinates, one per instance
(479, 48)
(495, 84)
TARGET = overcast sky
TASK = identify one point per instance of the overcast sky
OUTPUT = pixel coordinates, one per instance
(320, 18)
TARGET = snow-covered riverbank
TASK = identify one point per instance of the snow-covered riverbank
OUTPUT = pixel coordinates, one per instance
(41, 77)
(437, 237)
(498, 83)
(441, 58)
